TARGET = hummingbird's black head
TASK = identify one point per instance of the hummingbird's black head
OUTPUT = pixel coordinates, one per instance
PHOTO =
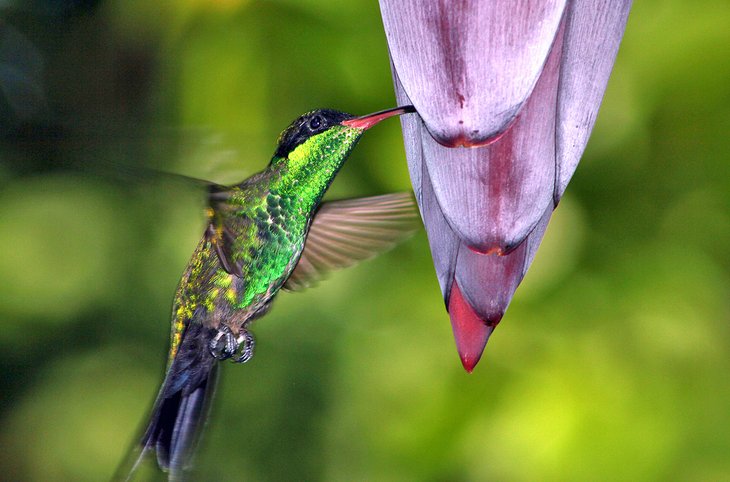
(306, 126)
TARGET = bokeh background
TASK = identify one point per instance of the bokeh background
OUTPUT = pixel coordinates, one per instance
(612, 362)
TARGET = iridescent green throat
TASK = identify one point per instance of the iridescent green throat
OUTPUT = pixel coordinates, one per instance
(309, 168)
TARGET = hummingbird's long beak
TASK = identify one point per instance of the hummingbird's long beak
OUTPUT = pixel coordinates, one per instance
(367, 121)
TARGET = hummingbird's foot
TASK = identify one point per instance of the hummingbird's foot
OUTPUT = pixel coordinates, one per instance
(224, 345)
(246, 343)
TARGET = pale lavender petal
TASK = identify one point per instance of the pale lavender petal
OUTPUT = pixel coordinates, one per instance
(441, 238)
(535, 238)
(411, 125)
(467, 65)
(592, 36)
(493, 196)
(488, 281)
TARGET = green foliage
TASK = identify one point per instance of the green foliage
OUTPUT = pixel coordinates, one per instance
(611, 363)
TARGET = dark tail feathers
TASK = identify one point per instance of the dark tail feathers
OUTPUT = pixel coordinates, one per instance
(181, 407)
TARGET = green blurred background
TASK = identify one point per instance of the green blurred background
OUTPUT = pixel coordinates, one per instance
(612, 362)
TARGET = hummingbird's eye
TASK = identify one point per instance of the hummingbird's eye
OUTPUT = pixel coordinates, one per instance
(315, 123)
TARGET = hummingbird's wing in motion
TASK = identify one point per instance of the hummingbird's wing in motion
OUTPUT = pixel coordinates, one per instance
(345, 232)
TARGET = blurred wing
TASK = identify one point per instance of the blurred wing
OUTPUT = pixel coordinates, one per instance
(345, 232)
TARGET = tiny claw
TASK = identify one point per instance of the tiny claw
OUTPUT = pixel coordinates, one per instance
(224, 345)
(246, 343)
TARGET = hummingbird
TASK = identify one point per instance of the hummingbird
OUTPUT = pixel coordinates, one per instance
(267, 233)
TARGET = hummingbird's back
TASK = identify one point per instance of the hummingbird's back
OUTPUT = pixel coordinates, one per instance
(254, 240)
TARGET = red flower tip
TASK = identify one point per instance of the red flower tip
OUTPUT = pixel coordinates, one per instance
(471, 332)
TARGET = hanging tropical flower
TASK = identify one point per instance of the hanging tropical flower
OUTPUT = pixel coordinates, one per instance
(507, 92)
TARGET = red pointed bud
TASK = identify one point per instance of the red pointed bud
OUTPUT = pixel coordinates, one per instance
(471, 332)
